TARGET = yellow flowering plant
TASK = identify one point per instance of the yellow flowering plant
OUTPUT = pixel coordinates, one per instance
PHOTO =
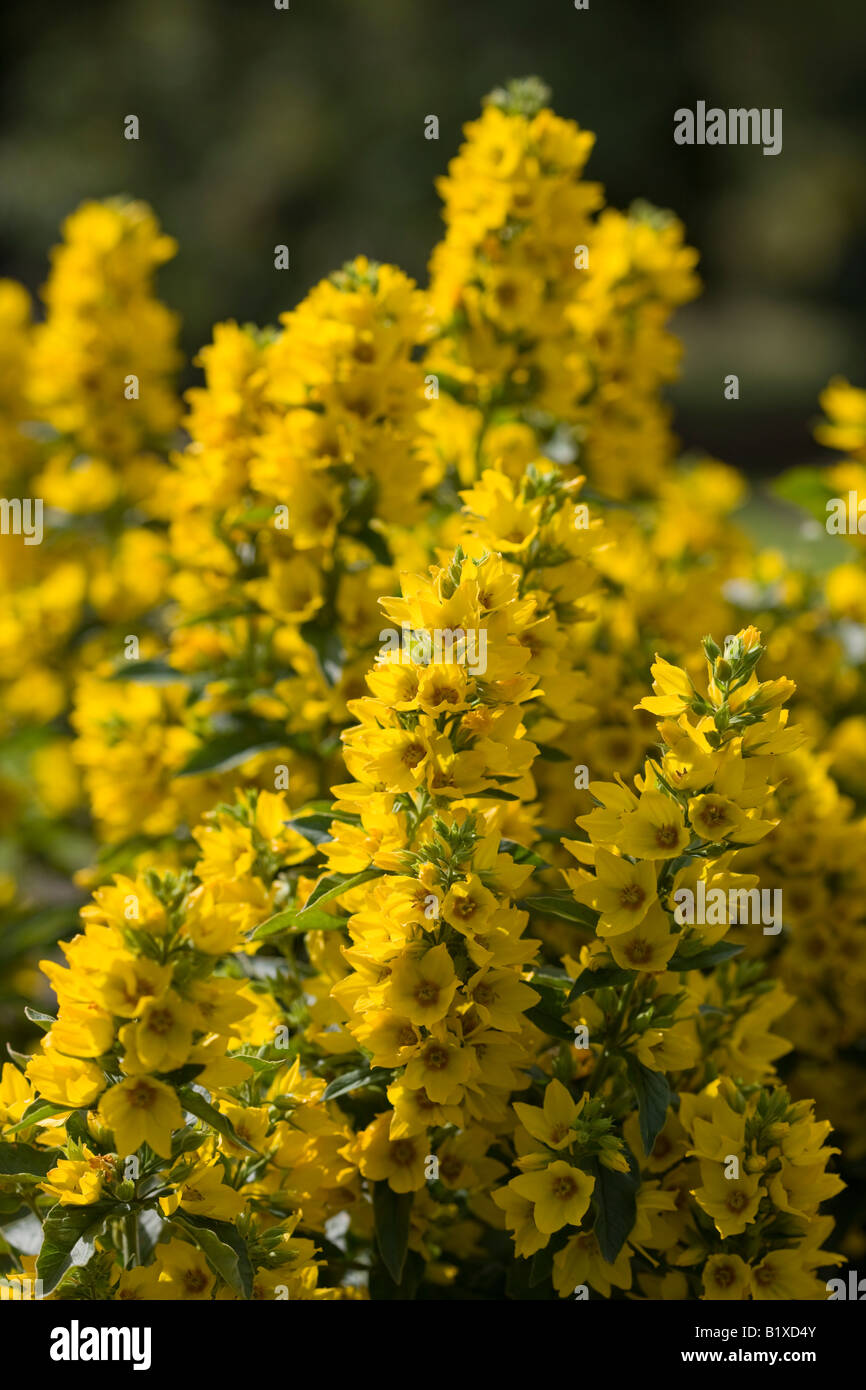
(351, 1012)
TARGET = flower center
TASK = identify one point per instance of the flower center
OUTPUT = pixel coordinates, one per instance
(436, 1057)
(639, 950)
(403, 1152)
(160, 1021)
(141, 1095)
(632, 895)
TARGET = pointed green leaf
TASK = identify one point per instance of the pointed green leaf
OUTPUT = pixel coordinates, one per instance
(391, 1213)
(615, 1199)
(653, 1098)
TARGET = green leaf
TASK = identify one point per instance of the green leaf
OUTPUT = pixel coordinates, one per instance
(44, 1021)
(68, 1236)
(225, 614)
(186, 1140)
(334, 886)
(551, 754)
(521, 855)
(76, 1127)
(547, 1013)
(195, 1103)
(327, 808)
(149, 673)
(224, 1249)
(494, 794)
(36, 930)
(24, 1234)
(150, 1228)
(22, 1160)
(615, 1200)
(272, 926)
(224, 751)
(653, 1098)
(294, 920)
(182, 1075)
(541, 1268)
(807, 488)
(606, 975)
(356, 1079)
(266, 1067)
(564, 906)
(549, 1023)
(36, 1112)
(391, 1213)
(316, 828)
(701, 960)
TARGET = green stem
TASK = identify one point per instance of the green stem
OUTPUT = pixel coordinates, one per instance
(616, 1030)
(131, 1242)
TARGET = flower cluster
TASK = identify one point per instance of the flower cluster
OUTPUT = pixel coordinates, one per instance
(684, 1061)
(305, 686)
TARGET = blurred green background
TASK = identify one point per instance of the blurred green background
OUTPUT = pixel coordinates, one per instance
(262, 126)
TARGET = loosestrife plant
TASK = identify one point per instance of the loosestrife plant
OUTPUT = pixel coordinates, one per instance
(309, 689)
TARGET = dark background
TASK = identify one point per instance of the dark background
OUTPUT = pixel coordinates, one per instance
(262, 126)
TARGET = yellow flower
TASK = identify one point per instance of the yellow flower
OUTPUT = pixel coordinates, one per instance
(422, 987)
(500, 998)
(129, 982)
(64, 1080)
(560, 1193)
(648, 946)
(441, 1067)
(726, 1277)
(714, 817)
(551, 1124)
(674, 690)
(204, 1193)
(580, 1261)
(622, 892)
(16, 1093)
(731, 1202)
(786, 1274)
(184, 1272)
(655, 830)
(442, 688)
(519, 1218)
(468, 905)
(139, 1284)
(83, 1030)
(162, 1037)
(79, 1182)
(141, 1110)
(399, 1162)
